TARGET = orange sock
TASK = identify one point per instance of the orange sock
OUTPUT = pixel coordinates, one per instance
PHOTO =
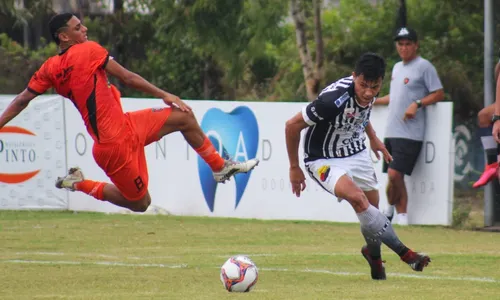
(210, 155)
(91, 188)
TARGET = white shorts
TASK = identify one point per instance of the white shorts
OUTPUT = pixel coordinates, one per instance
(359, 167)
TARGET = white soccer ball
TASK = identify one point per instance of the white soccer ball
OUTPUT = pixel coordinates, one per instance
(239, 274)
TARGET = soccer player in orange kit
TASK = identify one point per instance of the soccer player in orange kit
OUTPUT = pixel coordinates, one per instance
(79, 73)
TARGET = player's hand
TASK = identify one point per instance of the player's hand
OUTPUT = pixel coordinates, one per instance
(173, 100)
(411, 111)
(298, 180)
(377, 146)
(496, 132)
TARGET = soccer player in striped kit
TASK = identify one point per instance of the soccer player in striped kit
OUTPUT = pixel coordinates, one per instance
(337, 159)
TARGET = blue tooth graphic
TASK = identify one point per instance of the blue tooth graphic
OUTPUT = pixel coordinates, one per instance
(235, 135)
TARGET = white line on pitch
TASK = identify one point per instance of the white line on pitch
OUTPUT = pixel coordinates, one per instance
(41, 253)
(354, 253)
(429, 277)
(178, 266)
(98, 263)
(63, 254)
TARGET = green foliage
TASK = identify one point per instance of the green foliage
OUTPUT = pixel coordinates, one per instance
(461, 212)
(18, 64)
(223, 35)
(452, 39)
(246, 49)
(127, 37)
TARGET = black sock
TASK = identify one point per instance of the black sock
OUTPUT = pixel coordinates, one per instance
(491, 156)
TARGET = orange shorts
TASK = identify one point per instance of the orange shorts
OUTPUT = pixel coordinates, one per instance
(124, 160)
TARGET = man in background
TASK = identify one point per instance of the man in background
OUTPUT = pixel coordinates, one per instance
(415, 84)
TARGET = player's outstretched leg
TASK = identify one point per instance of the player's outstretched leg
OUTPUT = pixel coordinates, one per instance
(75, 176)
(223, 169)
(371, 252)
(186, 123)
(374, 223)
(75, 181)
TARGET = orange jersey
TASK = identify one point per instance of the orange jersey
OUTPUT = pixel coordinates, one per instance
(78, 74)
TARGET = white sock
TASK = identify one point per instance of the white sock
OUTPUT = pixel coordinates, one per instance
(402, 219)
(488, 142)
(389, 211)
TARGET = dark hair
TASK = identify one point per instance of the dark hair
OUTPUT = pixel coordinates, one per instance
(58, 22)
(371, 66)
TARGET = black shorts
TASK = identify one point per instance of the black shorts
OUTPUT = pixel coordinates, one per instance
(404, 154)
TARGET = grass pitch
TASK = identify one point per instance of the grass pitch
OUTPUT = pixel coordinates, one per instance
(66, 255)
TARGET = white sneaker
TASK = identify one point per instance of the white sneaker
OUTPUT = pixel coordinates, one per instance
(389, 212)
(75, 175)
(232, 168)
(403, 219)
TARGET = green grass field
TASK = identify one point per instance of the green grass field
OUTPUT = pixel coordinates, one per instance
(65, 255)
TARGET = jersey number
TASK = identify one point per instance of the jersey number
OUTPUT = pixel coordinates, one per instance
(139, 183)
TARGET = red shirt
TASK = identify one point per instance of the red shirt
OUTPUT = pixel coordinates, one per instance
(78, 74)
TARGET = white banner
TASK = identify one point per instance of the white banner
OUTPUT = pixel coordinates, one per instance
(32, 155)
(182, 185)
(430, 187)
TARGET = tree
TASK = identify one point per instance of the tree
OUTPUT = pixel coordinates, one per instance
(227, 35)
(313, 71)
(27, 15)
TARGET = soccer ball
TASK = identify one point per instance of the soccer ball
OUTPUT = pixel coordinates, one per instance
(239, 274)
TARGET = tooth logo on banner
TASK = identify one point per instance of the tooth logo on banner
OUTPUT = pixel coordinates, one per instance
(235, 135)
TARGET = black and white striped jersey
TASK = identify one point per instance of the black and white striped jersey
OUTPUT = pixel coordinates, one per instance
(337, 123)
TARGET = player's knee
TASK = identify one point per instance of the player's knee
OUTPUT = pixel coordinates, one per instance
(142, 204)
(188, 121)
(358, 200)
(484, 118)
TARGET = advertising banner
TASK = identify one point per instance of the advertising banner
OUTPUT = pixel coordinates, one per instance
(181, 184)
(32, 155)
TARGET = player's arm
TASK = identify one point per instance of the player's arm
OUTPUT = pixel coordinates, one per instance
(382, 100)
(370, 131)
(497, 93)
(322, 109)
(135, 81)
(327, 106)
(496, 124)
(293, 128)
(376, 144)
(39, 83)
(16, 106)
